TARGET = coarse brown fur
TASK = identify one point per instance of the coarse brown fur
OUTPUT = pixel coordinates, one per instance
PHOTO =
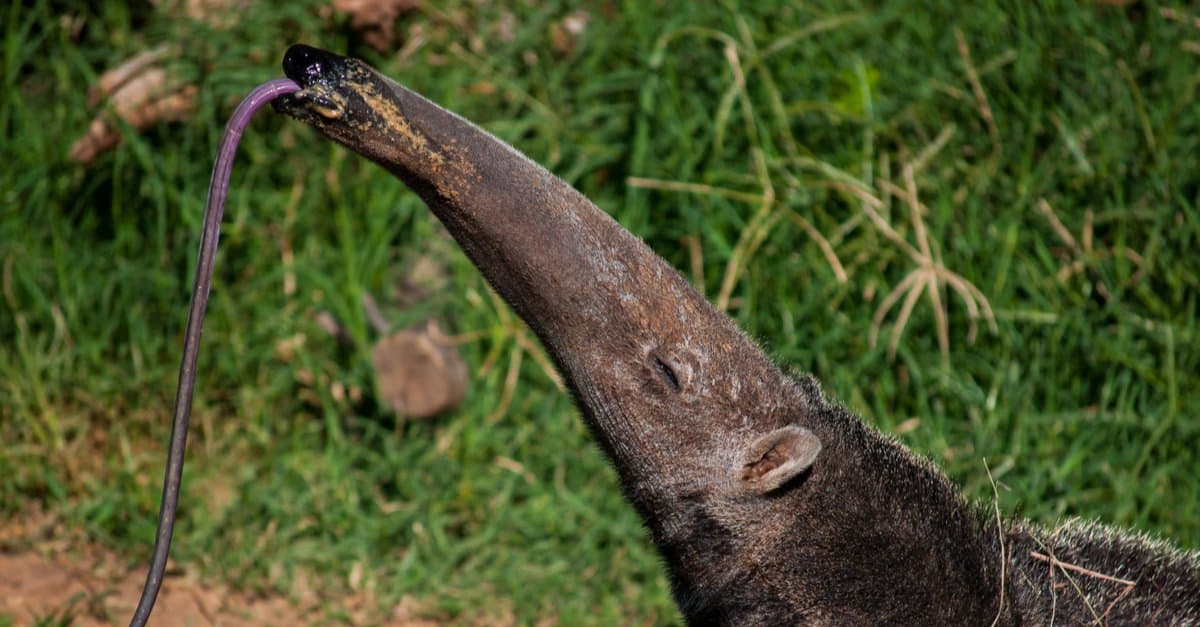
(769, 503)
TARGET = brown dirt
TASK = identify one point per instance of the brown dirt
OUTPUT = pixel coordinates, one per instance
(50, 575)
(91, 591)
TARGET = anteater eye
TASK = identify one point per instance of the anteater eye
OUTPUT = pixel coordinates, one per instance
(667, 373)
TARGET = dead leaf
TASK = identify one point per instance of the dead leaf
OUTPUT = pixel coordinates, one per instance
(110, 81)
(286, 348)
(215, 13)
(141, 93)
(565, 33)
(375, 20)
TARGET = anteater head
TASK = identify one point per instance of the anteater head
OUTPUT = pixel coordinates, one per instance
(698, 421)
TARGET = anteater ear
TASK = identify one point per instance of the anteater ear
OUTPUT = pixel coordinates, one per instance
(777, 457)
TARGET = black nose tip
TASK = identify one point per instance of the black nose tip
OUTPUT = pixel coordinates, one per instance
(305, 64)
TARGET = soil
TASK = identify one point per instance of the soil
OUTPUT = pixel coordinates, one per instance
(36, 587)
(68, 581)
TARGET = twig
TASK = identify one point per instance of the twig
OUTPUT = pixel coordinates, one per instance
(934, 147)
(696, 260)
(1079, 569)
(1056, 224)
(1099, 619)
(1000, 537)
(374, 315)
(1085, 253)
(981, 101)
(826, 248)
(510, 384)
(929, 274)
(692, 188)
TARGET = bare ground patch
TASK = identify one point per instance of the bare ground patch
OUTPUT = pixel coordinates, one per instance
(57, 578)
(92, 590)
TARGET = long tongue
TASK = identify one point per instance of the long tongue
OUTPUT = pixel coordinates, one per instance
(215, 208)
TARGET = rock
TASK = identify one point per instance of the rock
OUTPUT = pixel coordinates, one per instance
(418, 372)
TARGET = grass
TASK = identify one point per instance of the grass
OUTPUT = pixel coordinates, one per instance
(801, 164)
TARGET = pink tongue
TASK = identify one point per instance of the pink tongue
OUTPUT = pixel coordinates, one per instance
(217, 190)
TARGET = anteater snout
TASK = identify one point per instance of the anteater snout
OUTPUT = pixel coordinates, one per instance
(307, 65)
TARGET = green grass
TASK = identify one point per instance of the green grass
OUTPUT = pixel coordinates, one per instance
(1082, 402)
